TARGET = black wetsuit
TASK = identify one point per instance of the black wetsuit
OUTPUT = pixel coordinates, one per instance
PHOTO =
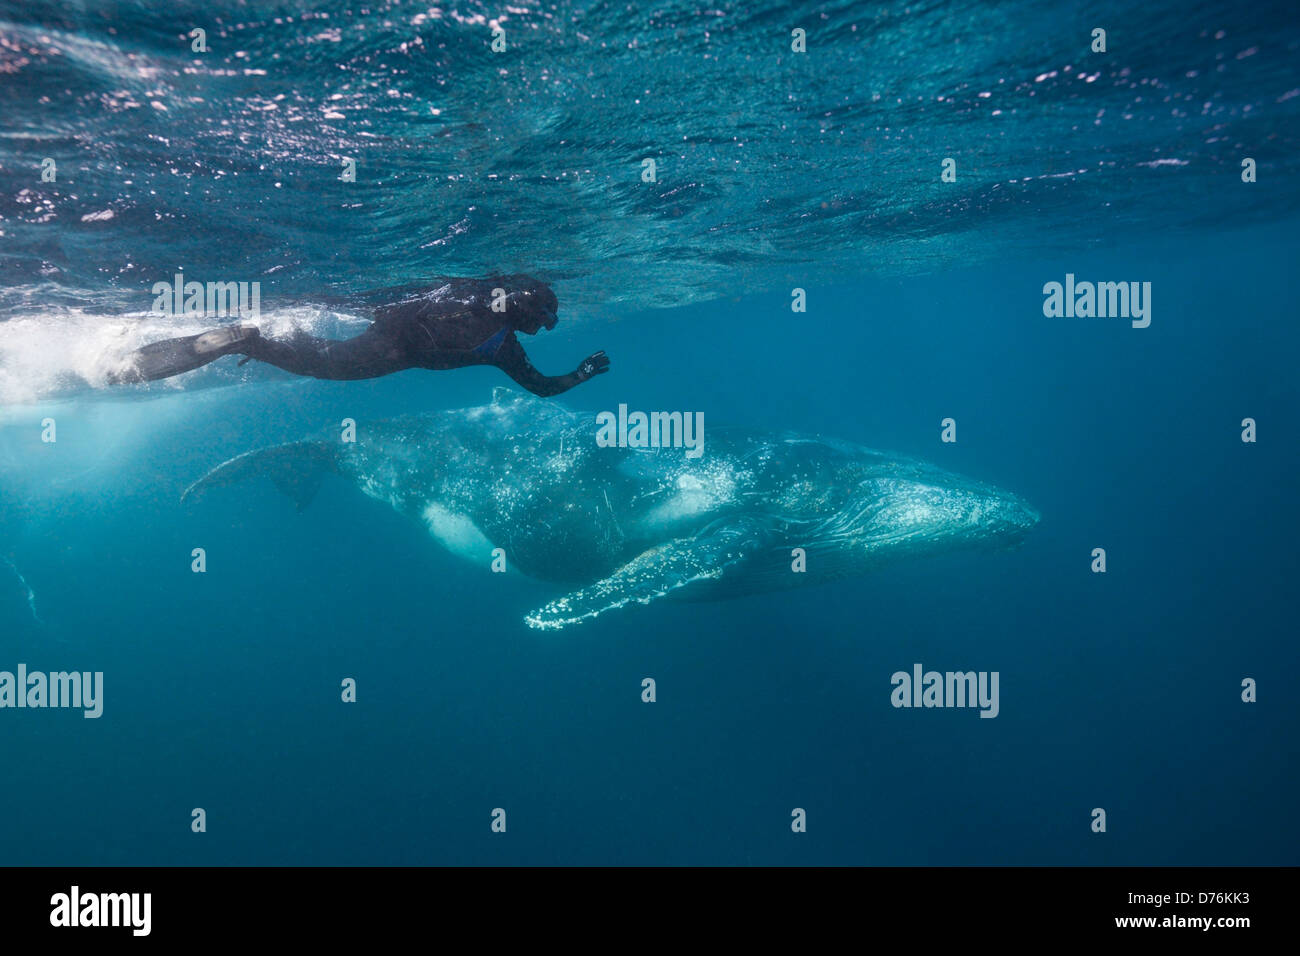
(450, 325)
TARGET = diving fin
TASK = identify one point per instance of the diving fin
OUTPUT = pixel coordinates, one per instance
(169, 357)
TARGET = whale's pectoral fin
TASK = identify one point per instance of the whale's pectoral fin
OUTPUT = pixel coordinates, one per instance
(296, 469)
(654, 574)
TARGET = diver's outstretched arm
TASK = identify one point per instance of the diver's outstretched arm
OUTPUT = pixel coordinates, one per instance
(516, 365)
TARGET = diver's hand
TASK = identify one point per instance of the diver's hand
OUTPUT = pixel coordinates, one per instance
(592, 366)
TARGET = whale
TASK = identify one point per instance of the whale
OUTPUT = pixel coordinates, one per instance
(526, 480)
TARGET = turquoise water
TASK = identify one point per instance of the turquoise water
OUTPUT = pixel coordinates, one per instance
(775, 171)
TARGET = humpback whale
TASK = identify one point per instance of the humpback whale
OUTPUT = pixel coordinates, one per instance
(622, 525)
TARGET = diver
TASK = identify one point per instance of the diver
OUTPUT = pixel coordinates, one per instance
(451, 325)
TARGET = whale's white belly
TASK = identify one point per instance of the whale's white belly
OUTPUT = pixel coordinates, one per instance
(691, 497)
(457, 533)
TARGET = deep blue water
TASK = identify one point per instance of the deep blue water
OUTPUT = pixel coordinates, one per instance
(1118, 690)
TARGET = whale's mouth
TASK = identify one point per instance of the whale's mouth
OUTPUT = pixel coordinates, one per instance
(1009, 521)
(1013, 538)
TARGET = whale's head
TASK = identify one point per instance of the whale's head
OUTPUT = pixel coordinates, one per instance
(874, 508)
(860, 507)
(925, 509)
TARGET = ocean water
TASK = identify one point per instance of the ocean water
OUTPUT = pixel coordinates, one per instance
(774, 171)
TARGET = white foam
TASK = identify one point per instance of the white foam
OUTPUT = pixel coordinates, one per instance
(59, 352)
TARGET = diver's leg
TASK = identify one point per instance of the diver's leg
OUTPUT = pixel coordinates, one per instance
(368, 355)
(170, 357)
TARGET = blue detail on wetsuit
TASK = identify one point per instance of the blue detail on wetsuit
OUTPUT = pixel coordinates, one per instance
(493, 345)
